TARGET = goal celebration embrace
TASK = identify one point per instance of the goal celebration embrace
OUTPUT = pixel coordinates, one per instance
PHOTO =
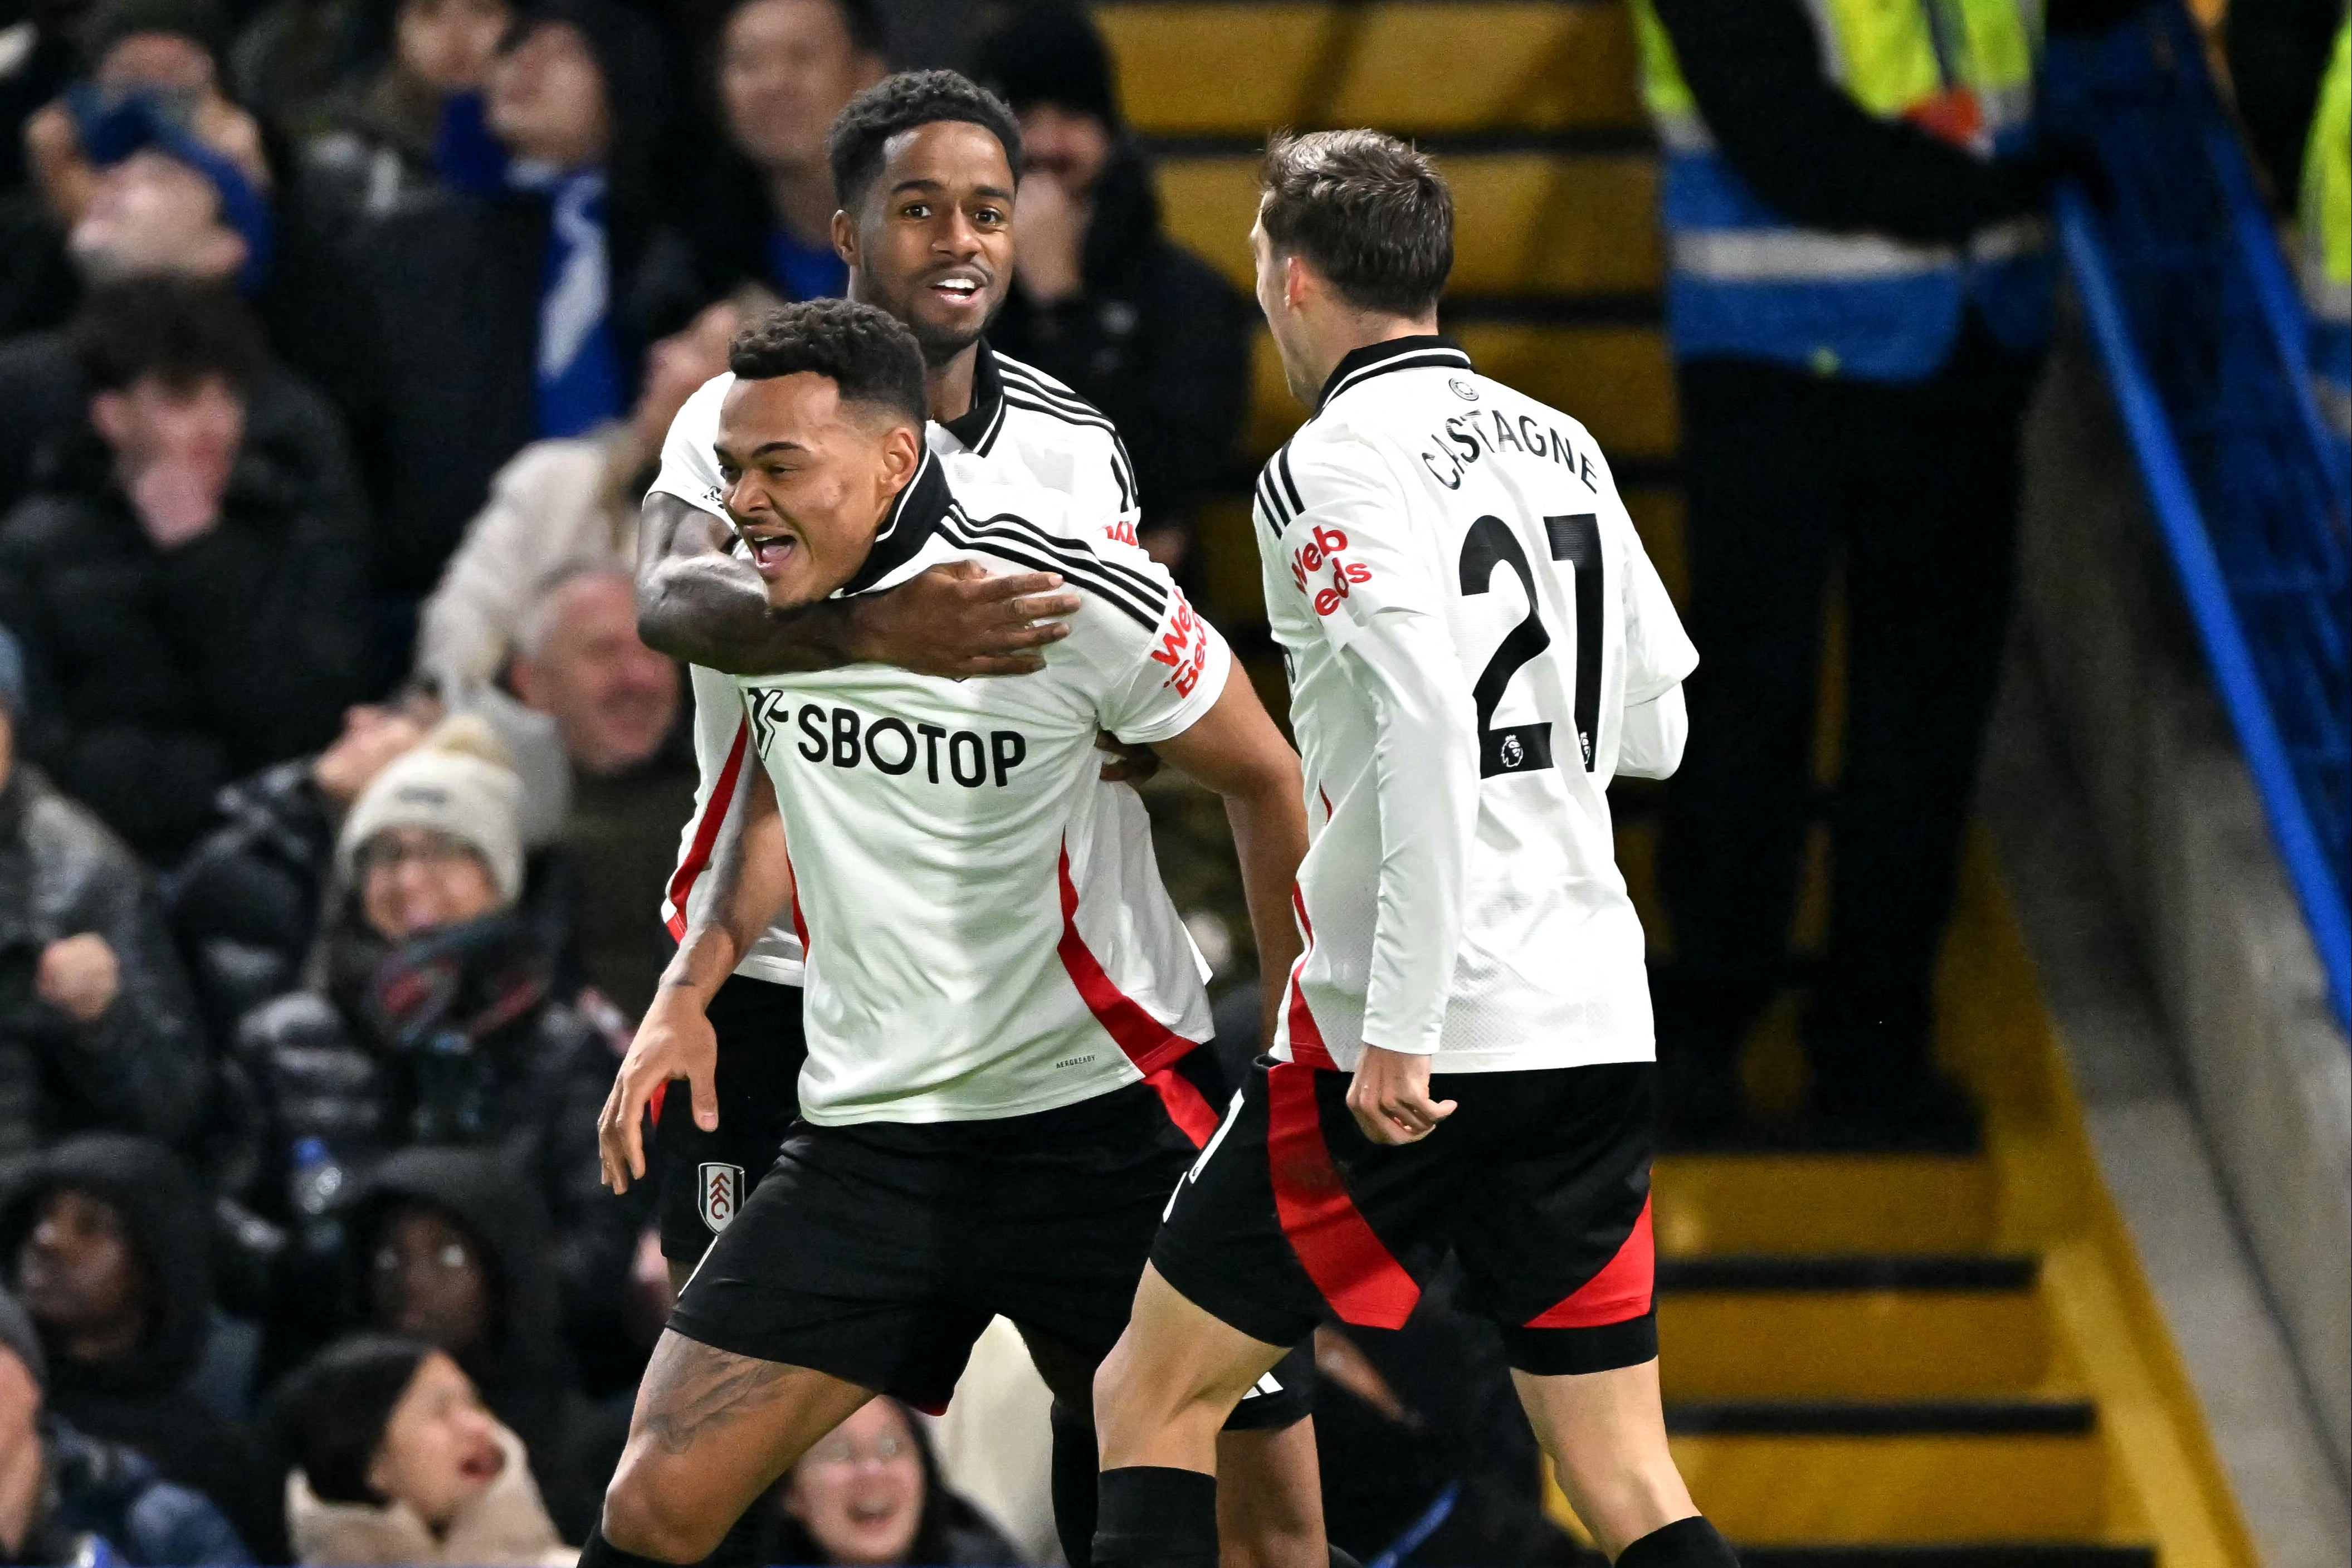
(928, 648)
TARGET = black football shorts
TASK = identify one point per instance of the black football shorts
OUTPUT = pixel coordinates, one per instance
(878, 1252)
(1538, 1184)
(705, 1179)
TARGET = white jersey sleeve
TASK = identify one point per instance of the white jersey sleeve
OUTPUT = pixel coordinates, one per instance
(1370, 568)
(689, 464)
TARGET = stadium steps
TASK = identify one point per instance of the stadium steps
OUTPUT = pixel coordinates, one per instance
(1921, 1360)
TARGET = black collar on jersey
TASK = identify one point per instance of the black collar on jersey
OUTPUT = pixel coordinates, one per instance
(913, 518)
(1426, 351)
(976, 427)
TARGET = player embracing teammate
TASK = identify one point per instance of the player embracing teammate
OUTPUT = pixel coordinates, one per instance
(1462, 1057)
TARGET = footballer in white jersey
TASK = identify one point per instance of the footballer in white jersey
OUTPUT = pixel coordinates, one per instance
(1463, 1064)
(990, 995)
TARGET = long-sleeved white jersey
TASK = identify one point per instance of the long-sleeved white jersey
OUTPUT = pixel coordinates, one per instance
(1477, 644)
(1023, 428)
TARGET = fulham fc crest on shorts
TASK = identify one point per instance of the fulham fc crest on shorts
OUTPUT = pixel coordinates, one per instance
(722, 1194)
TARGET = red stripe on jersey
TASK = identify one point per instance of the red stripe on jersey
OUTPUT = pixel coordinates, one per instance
(1307, 1046)
(1149, 1044)
(1187, 1106)
(706, 834)
(1355, 1273)
(1619, 1292)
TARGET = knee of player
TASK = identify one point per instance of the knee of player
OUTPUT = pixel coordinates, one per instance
(649, 1512)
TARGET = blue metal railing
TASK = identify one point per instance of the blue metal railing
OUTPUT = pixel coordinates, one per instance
(2196, 316)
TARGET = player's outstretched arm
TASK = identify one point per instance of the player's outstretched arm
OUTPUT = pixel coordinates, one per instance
(1235, 750)
(754, 880)
(698, 601)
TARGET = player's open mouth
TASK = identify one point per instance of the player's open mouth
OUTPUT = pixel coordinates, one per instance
(770, 554)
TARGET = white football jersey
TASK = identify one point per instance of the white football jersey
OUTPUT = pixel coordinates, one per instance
(982, 939)
(1023, 428)
(1468, 616)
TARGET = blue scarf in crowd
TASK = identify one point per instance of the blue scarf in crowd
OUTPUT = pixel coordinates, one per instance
(579, 367)
(579, 363)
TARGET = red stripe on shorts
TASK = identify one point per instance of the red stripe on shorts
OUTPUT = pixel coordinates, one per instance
(1619, 1292)
(1353, 1269)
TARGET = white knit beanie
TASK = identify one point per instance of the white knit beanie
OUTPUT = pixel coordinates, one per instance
(456, 781)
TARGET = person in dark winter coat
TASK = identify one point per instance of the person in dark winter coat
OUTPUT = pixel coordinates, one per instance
(189, 611)
(872, 1493)
(245, 904)
(94, 1501)
(97, 1028)
(1102, 299)
(108, 1242)
(520, 304)
(452, 1247)
(44, 397)
(435, 1020)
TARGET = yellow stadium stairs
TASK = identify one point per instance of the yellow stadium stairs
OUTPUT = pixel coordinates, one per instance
(1935, 1361)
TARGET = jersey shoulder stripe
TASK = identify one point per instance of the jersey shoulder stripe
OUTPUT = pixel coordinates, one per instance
(1027, 545)
(1031, 379)
(1082, 552)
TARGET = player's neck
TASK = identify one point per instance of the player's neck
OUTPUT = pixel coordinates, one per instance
(1338, 336)
(947, 389)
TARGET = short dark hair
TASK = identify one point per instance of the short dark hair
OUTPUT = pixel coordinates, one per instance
(329, 1419)
(902, 102)
(868, 354)
(1366, 211)
(868, 30)
(181, 330)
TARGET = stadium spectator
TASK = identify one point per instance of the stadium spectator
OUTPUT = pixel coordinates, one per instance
(521, 305)
(616, 703)
(452, 1247)
(370, 146)
(1861, 276)
(395, 1460)
(765, 200)
(150, 95)
(107, 1242)
(433, 1018)
(189, 609)
(97, 1028)
(243, 906)
(44, 393)
(75, 1499)
(154, 69)
(564, 504)
(1102, 299)
(871, 1494)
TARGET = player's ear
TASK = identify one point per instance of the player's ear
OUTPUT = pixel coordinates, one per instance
(845, 236)
(902, 454)
(1297, 282)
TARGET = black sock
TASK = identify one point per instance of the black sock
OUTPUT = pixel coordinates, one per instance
(599, 1553)
(1153, 1517)
(1690, 1542)
(1075, 1467)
